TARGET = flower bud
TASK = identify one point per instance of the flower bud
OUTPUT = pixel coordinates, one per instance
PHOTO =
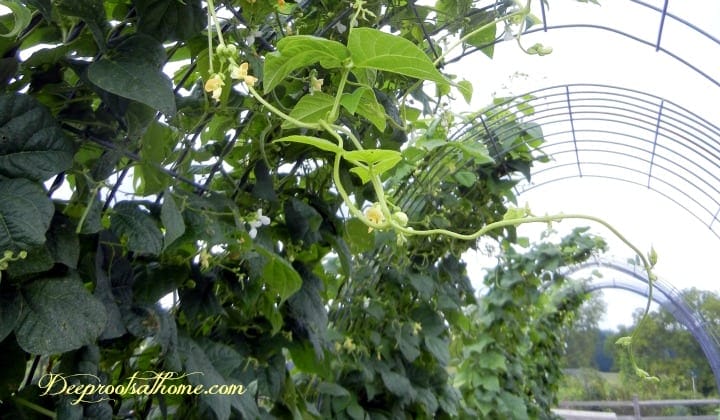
(400, 218)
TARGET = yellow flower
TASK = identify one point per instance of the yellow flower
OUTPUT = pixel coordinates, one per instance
(315, 84)
(214, 84)
(374, 215)
(204, 259)
(348, 344)
(281, 3)
(241, 73)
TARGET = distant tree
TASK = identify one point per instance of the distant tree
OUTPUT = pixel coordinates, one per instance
(669, 351)
(583, 336)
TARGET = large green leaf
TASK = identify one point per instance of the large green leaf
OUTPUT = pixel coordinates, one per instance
(371, 48)
(25, 214)
(133, 71)
(280, 277)
(397, 384)
(170, 19)
(299, 51)
(311, 109)
(137, 228)
(32, 145)
(58, 315)
(210, 364)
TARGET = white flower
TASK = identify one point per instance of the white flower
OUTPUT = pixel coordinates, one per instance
(259, 221)
(340, 28)
(250, 39)
(508, 34)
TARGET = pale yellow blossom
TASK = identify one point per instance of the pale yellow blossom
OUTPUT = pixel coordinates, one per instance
(315, 84)
(214, 85)
(241, 73)
(375, 215)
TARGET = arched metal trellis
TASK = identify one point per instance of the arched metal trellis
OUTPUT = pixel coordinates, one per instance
(600, 131)
(635, 280)
(611, 132)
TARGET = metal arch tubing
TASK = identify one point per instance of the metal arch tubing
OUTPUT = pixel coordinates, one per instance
(675, 135)
(664, 294)
(653, 44)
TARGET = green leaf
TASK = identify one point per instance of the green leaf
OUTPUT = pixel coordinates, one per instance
(371, 48)
(38, 260)
(62, 241)
(134, 72)
(321, 144)
(206, 364)
(171, 219)
(423, 284)
(136, 227)
(484, 39)
(382, 160)
(439, 348)
(335, 390)
(465, 178)
(9, 313)
(294, 52)
(311, 109)
(32, 145)
(492, 360)
(25, 214)
(170, 20)
(303, 222)
(280, 277)
(358, 237)
(466, 89)
(363, 102)
(397, 384)
(473, 150)
(489, 382)
(90, 11)
(21, 15)
(58, 315)
(157, 144)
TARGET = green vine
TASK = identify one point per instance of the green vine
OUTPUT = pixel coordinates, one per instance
(372, 164)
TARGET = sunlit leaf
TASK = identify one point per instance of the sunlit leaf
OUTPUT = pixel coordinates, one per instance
(295, 52)
(371, 48)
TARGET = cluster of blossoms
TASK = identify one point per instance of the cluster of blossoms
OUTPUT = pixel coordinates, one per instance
(215, 83)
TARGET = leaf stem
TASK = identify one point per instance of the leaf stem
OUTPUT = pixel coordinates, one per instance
(333, 115)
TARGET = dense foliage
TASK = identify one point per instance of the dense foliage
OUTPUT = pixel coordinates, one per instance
(309, 231)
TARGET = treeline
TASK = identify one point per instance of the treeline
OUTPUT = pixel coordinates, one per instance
(597, 369)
